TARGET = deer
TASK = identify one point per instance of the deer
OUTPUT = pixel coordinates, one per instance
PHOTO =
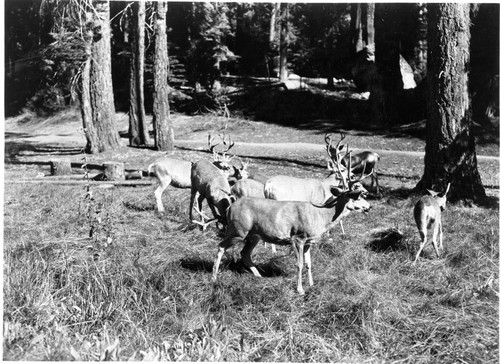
(210, 181)
(177, 172)
(247, 188)
(362, 162)
(427, 213)
(296, 223)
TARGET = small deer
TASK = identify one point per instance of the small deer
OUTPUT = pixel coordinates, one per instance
(295, 223)
(427, 213)
(363, 162)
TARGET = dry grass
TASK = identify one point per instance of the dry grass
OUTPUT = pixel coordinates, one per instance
(141, 287)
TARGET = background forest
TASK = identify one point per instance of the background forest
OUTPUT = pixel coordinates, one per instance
(208, 41)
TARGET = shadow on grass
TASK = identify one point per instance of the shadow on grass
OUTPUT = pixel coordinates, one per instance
(389, 240)
(271, 268)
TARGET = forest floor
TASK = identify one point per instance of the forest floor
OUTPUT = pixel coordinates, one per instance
(97, 274)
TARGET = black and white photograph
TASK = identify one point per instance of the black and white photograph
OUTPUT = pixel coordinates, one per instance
(250, 181)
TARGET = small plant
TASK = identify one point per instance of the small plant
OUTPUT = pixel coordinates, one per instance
(99, 220)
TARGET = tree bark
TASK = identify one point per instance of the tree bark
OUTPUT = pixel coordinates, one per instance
(164, 131)
(272, 24)
(284, 29)
(356, 27)
(385, 92)
(370, 23)
(138, 133)
(450, 154)
(96, 88)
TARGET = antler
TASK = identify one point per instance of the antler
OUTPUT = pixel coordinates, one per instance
(223, 137)
(211, 146)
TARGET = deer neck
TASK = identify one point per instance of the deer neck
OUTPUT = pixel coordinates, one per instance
(335, 214)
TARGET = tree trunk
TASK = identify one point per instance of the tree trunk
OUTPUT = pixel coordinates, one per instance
(96, 89)
(370, 25)
(284, 41)
(356, 27)
(164, 132)
(450, 154)
(272, 24)
(138, 133)
(385, 92)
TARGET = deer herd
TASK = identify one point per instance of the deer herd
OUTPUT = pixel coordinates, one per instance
(282, 210)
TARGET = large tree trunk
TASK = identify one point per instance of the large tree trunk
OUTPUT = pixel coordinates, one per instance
(450, 154)
(138, 133)
(370, 23)
(272, 24)
(385, 92)
(357, 27)
(96, 94)
(164, 132)
(284, 37)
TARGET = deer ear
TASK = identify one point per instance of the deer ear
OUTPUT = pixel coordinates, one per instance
(336, 191)
(432, 193)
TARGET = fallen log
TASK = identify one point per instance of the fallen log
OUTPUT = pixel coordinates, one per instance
(85, 182)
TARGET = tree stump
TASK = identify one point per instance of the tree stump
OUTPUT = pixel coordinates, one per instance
(60, 167)
(114, 171)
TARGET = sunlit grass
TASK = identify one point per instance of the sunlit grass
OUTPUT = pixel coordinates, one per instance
(145, 280)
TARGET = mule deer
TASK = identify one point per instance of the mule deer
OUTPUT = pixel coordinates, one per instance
(247, 188)
(210, 183)
(294, 223)
(427, 213)
(170, 171)
(362, 162)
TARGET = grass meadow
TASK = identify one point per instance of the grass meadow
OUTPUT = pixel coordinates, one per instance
(140, 287)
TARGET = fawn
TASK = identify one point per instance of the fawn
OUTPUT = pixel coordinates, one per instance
(427, 213)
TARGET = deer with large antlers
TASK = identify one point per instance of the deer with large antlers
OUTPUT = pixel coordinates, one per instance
(427, 213)
(295, 223)
(362, 162)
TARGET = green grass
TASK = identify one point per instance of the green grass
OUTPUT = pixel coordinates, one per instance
(143, 282)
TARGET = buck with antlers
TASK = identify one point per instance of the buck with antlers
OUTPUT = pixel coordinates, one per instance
(210, 181)
(427, 213)
(294, 223)
(362, 162)
(176, 172)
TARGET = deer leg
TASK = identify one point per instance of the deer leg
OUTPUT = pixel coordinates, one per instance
(435, 232)
(159, 192)
(307, 261)
(246, 253)
(191, 202)
(375, 178)
(423, 237)
(223, 246)
(298, 245)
